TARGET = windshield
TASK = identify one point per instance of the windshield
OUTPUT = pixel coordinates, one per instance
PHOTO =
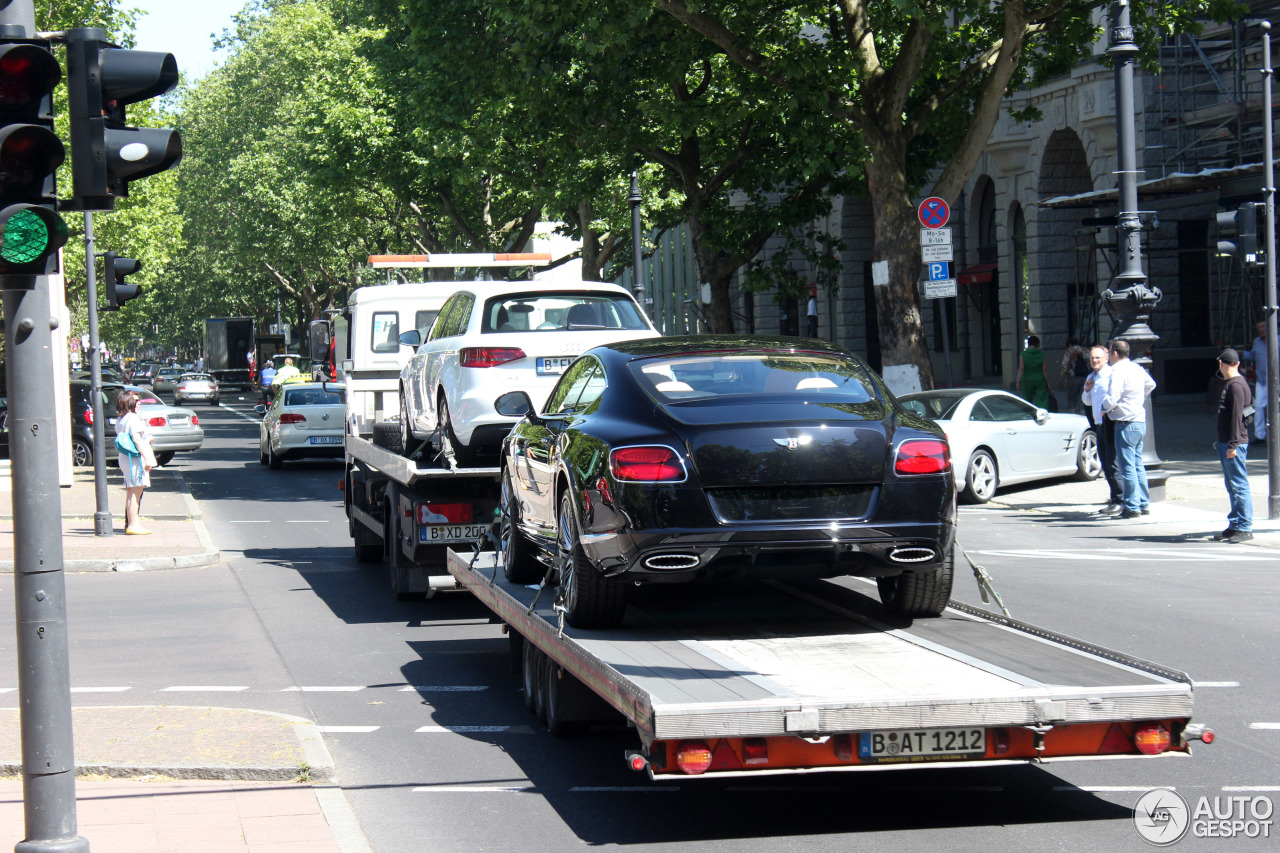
(799, 376)
(561, 311)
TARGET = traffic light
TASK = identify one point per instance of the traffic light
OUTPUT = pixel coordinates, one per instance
(117, 290)
(106, 154)
(31, 231)
(1238, 233)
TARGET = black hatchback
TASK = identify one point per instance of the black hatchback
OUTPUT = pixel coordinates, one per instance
(687, 458)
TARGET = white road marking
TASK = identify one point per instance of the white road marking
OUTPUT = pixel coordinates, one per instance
(1215, 684)
(348, 729)
(1264, 725)
(253, 419)
(99, 689)
(637, 789)
(435, 730)
(444, 688)
(1191, 555)
(1112, 789)
(213, 688)
(323, 689)
(306, 521)
(1251, 788)
(7, 689)
(474, 789)
(249, 521)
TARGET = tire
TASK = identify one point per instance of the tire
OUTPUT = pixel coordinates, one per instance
(919, 594)
(368, 547)
(406, 433)
(591, 600)
(275, 463)
(387, 436)
(463, 455)
(557, 684)
(81, 453)
(981, 478)
(164, 458)
(531, 658)
(518, 563)
(262, 454)
(1088, 460)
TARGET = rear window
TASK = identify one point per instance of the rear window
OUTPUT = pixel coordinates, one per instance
(313, 397)
(936, 408)
(560, 312)
(800, 376)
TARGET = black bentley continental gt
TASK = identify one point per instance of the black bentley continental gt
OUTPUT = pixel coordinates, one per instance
(687, 458)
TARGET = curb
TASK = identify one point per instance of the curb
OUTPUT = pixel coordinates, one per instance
(319, 763)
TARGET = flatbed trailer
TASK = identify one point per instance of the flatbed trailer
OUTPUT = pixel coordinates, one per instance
(784, 677)
(407, 511)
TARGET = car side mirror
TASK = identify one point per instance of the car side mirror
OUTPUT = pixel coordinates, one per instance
(515, 404)
(411, 338)
(1042, 416)
(262, 410)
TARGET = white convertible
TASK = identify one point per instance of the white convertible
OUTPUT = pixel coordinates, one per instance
(493, 337)
(1000, 439)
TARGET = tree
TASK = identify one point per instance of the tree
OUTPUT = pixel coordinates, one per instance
(921, 85)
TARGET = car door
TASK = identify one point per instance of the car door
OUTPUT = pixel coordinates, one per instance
(442, 352)
(534, 444)
(1031, 447)
(416, 370)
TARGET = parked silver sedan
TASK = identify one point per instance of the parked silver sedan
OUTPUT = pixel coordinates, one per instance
(174, 429)
(998, 439)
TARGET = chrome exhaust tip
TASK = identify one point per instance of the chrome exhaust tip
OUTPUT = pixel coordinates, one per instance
(913, 555)
(669, 562)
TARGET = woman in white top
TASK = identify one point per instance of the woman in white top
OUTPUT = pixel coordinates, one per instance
(136, 468)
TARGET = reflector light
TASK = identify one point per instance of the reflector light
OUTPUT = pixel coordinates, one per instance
(999, 739)
(755, 750)
(693, 757)
(646, 464)
(637, 761)
(158, 421)
(1207, 736)
(1152, 739)
(489, 356)
(842, 745)
(441, 513)
(923, 456)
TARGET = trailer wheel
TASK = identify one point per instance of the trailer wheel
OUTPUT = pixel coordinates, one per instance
(558, 684)
(518, 563)
(591, 600)
(919, 594)
(387, 436)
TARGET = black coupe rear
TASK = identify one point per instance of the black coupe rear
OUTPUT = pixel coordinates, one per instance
(688, 458)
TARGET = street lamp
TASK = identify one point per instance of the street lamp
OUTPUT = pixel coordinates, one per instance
(1130, 300)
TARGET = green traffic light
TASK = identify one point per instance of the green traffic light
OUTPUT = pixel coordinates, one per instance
(26, 238)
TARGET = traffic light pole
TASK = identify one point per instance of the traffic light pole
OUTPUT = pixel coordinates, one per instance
(40, 601)
(102, 512)
(1272, 367)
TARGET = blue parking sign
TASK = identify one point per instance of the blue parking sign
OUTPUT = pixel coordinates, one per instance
(939, 271)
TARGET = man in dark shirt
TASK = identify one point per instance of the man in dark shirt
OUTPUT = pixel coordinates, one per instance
(1233, 448)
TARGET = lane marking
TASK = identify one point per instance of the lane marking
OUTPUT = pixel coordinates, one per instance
(444, 688)
(306, 521)
(362, 730)
(774, 789)
(1215, 684)
(99, 689)
(1191, 555)
(208, 688)
(7, 689)
(249, 521)
(322, 689)
(1112, 789)
(1264, 725)
(467, 730)
(475, 789)
(1261, 789)
(635, 789)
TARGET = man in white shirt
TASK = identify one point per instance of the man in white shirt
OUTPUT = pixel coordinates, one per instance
(1094, 386)
(1124, 401)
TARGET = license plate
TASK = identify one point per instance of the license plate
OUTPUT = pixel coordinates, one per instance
(890, 747)
(178, 421)
(326, 439)
(554, 365)
(432, 533)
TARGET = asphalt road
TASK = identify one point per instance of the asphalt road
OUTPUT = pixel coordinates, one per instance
(292, 623)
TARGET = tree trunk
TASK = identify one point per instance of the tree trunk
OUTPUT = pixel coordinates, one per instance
(904, 348)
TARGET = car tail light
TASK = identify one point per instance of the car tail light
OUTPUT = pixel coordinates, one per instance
(755, 750)
(652, 464)
(923, 456)
(489, 356)
(842, 746)
(439, 513)
(293, 418)
(195, 420)
(158, 421)
(693, 757)
(1152, 739)
(999, 741)
(88, 416)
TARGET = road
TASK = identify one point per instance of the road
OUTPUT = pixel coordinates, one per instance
(434, 749)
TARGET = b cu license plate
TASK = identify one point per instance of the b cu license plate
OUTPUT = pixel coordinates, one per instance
(433, 533)
(903, 747)
(554, 365)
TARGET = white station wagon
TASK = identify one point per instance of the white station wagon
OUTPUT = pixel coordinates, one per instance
(495, 337)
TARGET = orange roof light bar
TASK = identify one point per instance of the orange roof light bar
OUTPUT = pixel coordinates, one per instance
(454, 261)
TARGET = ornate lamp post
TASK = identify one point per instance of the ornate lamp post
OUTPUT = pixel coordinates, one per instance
(1130, 300)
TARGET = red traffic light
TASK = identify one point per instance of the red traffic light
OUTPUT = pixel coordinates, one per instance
(28, 73)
